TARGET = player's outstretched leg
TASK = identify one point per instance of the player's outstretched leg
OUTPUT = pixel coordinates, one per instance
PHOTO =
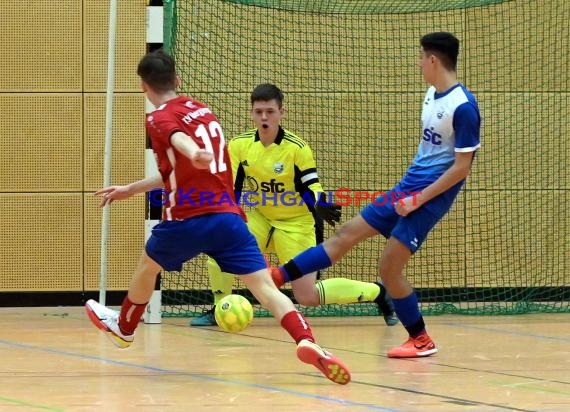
(282, 308)
(332, 367)
(108, 321)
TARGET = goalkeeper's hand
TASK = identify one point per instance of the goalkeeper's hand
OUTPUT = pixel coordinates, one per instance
(329, 212)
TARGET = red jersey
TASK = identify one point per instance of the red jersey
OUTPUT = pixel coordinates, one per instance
(191, 191)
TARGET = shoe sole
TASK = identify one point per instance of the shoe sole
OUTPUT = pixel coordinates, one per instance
(419, 354)
(331, 367)
(117, 341)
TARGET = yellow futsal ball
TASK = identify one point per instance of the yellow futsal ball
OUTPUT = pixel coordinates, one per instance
(233, 313)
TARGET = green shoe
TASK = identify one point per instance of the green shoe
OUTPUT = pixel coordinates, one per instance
(386, 306)
(205, 319)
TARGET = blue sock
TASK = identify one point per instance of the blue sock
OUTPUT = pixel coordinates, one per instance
(407, 309)
(309, 261)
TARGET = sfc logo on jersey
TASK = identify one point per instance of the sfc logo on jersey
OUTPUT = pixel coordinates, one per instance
(278, 167)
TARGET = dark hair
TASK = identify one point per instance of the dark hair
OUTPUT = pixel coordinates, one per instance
(266, 92)
(444, 45)
(158, 71)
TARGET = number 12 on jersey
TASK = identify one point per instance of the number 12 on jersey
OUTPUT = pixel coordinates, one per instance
(213, 131)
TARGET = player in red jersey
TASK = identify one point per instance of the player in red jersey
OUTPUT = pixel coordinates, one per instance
(200, 216)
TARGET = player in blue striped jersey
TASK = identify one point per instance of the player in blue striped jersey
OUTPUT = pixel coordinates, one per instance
(449, 138)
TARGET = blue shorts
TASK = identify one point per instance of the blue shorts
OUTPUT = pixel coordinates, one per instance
(222, 236)
(411, 230)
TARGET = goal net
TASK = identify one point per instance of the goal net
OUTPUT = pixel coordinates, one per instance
(353, 90)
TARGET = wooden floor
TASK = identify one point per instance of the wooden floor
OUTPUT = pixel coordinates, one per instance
(53, 359)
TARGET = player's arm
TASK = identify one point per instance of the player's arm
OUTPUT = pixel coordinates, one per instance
(455, 174)
(324, 208)
(200, 158)
(111, 193)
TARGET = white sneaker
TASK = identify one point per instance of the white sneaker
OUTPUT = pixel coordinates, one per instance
(108, 321)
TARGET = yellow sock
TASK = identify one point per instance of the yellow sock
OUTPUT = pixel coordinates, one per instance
(340, 290)
(220, 282)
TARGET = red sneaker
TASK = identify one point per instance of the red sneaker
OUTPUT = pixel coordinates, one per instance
(333, 368)
(276, 274)
(417, 347)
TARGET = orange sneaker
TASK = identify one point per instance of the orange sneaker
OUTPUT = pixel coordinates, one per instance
(326, 362)
(276, 274)
(417, 347)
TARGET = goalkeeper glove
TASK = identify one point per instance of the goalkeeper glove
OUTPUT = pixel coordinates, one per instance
(329, 212)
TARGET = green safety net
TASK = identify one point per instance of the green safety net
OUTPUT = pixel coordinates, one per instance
(349, 70)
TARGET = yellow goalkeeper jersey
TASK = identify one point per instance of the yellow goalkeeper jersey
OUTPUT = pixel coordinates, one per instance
(280, 180)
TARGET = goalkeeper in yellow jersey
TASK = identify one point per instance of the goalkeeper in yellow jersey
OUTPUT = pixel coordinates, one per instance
(275, 173)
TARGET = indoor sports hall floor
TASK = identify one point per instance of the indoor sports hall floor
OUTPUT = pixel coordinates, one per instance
(53, 359)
